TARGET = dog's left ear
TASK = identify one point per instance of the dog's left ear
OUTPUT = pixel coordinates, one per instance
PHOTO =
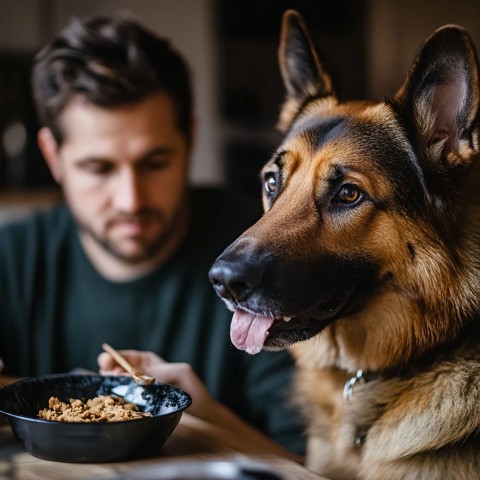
(440, 96)
(303, 75)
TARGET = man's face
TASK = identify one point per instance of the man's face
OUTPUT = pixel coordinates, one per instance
(123, 173)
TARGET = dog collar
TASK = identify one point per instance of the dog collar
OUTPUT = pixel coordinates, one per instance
(360, 434)
(349, 384)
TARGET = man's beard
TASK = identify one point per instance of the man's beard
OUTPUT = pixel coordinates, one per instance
(149, 249)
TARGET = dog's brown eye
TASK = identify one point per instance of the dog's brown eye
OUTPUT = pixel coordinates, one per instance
(349, 194)
(270, 183)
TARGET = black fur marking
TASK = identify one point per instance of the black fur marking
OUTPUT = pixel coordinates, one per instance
(387, 276)
(321, 132)
(303, 106)
(412, 251)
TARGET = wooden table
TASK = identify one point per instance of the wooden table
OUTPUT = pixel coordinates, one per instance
(193, 439)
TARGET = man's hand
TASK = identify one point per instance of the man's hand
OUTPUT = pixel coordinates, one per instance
(204, 406)
(180, 375)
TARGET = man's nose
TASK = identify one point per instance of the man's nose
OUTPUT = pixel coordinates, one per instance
(127, 192)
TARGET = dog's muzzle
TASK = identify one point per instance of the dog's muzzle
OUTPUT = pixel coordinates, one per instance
(238, 272)
(278, 299)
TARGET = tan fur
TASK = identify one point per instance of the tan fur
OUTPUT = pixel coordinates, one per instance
(423, 423)
(415, 329)
(418, 427)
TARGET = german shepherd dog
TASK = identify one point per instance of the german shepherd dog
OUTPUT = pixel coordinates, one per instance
(366, 264)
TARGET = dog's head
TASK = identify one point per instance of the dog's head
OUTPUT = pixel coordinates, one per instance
(368, 213)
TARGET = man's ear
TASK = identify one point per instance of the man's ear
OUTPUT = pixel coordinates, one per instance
(49, 148)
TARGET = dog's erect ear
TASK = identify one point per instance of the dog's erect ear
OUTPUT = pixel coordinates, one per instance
(440, 96)
(302, 72)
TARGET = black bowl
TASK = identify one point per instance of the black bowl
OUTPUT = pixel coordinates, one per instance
(21, 401)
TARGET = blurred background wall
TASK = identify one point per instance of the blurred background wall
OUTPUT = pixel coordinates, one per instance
(231, 46)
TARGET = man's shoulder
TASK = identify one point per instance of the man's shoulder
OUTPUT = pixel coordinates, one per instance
(35, 228)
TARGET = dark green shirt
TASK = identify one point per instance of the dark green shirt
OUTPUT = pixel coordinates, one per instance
(56, 310)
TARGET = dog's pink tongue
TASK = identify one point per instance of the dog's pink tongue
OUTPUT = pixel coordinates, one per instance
(248, 332)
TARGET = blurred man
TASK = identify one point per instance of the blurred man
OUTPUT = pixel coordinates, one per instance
(125, 261)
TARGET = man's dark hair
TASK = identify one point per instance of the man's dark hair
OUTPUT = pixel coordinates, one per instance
(110, 62)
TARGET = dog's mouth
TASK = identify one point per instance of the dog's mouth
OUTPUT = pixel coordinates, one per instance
(251, 331)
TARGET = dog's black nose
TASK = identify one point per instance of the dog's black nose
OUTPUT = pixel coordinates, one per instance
(235, 280)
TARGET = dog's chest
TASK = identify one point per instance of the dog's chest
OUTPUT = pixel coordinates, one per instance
(337, 420)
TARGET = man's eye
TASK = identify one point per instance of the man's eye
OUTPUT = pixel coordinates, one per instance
(349, 194)
(97, 168)
(270, 183)
(155, 164)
